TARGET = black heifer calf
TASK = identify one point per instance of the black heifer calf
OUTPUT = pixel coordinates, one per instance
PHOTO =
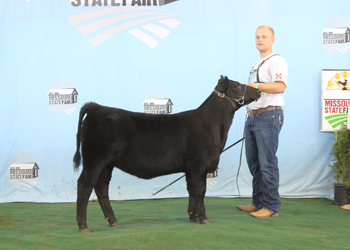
(147, 146)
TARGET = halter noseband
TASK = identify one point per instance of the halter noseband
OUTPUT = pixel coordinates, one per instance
(240, 101)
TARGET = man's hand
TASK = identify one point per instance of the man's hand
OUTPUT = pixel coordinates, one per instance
(251, 84)
(271, 88)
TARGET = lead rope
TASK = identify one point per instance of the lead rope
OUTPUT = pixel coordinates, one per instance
(185, 174)
(240, 158)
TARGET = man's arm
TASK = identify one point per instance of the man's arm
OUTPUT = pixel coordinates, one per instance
(271, 88)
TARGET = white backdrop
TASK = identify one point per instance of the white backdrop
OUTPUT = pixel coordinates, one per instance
(120, 55)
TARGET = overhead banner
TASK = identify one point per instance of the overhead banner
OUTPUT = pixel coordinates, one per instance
(335, 98)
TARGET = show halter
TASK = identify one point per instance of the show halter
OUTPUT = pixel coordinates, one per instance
(240, 101)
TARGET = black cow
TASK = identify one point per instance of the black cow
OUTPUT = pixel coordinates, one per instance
(147, 146)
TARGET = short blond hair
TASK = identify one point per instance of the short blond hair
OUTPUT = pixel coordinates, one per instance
(267, 27)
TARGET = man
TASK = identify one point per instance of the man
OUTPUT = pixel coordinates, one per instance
(264, 122)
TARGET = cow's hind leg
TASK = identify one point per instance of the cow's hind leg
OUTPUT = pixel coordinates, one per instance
(86, 183)
(192, 208)
(199, 183)
(101, 190)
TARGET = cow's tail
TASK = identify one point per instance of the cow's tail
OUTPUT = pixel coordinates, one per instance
(84, 110)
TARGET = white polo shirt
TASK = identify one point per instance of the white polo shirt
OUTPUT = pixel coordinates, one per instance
(271, 68)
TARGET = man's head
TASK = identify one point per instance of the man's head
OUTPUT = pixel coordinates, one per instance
(264, 39)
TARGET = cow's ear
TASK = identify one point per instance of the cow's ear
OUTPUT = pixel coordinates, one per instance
(222, 84)
(223, 80)
(226, 82)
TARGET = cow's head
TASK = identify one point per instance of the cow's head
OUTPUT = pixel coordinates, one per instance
(240, 94)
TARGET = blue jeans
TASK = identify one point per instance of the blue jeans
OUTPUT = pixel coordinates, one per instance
(261, 135)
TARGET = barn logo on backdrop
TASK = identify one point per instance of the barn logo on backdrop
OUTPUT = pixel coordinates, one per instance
(336, 98)
(211, 183)
(23, 170)
(336, 35)
(62, 95)
(143, 19)
(157, 102)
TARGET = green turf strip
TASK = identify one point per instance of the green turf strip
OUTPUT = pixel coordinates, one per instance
(164, 224)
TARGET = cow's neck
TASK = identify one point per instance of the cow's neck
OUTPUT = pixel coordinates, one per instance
(218, 111)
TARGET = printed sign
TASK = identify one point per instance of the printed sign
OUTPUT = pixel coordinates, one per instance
(145, 20)
(335, 98)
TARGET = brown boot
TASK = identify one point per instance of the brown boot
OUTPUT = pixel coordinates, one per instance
(263, 213)
(249, 208)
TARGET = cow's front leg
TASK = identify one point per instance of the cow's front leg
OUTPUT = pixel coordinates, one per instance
(101, 190)
(199, 183)
(192, 208)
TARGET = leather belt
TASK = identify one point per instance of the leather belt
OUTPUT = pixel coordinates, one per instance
(252, 113)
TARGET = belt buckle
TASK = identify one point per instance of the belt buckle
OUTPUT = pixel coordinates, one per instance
(250, 113)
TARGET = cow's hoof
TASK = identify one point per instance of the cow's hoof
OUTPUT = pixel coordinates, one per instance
(206, 221)
(194, 217)
(195, 220)
(85, 230)
(115, 224)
